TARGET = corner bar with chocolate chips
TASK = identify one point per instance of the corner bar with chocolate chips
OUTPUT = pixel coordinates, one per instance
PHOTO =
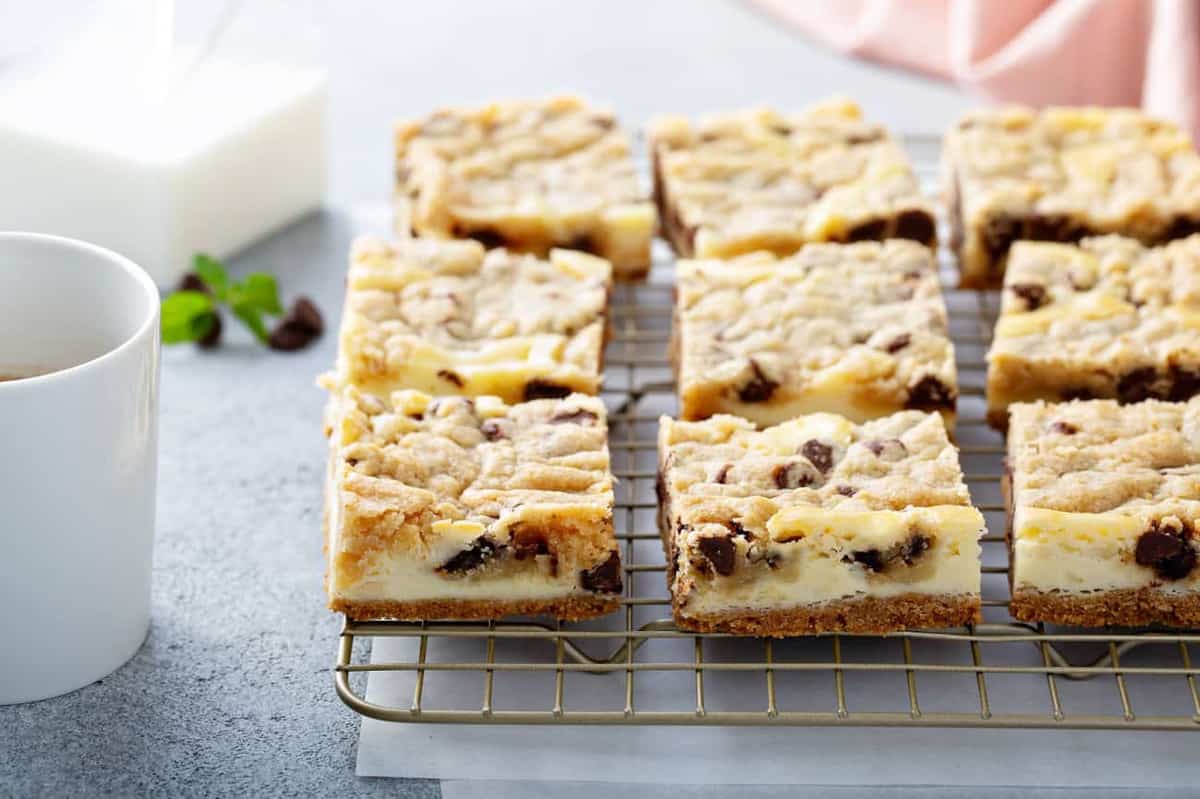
(854, 329)
(754, 180)
(529, 175)
(817, 525)
(1105, 319)
(1062, 174)
(1103, 502)
(454, 508)
(448, 317)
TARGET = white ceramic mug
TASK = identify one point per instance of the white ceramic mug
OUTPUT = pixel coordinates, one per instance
(78, 461)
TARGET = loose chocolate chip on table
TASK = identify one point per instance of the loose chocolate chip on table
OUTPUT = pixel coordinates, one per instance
(791, 475)
(1064, 428)
(192, 282)
(718, 550)
(873, 230)
(1137, 385)
(820, 455)
(493, 429)
(450, 377)
(1034, 294)
(574, 415)
(298, 327)
(916, 226)
(722, 473)
(930, 394)
(1168, 553)
(759, 388)
(898, 343)
(479, 552)
(213, 337)
(604, 578)
(544, 389)
(305, 313)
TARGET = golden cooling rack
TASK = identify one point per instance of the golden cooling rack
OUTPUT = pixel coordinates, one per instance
(635, 667)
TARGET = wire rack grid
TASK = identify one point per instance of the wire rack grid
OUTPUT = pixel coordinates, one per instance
(635, 667)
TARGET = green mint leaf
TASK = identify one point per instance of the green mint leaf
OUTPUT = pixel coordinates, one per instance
(259, 291)
(251, 317)
(213, 274)
(186, 316)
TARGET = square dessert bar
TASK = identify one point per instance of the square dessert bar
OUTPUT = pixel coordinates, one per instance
(1062, 174)
(758, 180)
(854, 329)
(817, 525)
(1103, 501)
(454, 508)
(1105, 319)
(448, 317)
(528, 175)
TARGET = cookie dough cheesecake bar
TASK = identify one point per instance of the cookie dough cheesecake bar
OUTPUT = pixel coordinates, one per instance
(817, 525)
(1103, 502)
(459, 508)
(1108, 318)
(854, 329)
(448, 317)
(752, 180)
(1061, 174)
(529, 175)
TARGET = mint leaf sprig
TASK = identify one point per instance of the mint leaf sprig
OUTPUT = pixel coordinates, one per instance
(193, 312)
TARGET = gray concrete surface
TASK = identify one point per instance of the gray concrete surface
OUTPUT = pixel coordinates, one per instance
(232, 692)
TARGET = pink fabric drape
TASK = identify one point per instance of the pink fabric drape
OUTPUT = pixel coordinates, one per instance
(1041, 52)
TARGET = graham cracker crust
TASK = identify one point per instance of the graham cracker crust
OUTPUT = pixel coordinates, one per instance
(871, 615)
(573, 608)
(1125, 607)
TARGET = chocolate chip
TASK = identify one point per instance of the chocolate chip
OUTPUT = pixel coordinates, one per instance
(870, 558)
(579, 416)
(1034, 294)
(866, 136)
(213, 337)
(737, 529)
(490, 239)
(998, 235)
(192, 282)
(494, 429)
(722, 473)
(544, 389)
(1182, 227)
(604, 578)
(759, 388)
(916, 225)
(305, 313)
(916, 545)
(1053, 227)
(898, 343)
(1137, 385)
(873, 230)
(289, 336)
(720, 551)
(584, 243)
(479, 552)
(1185, 384)
(450, 377)
(930, 394)
(888, 449)
(847, 491)
(791, 475)
(1078, 393)
(1166, 551)
(527, 542)
(1064, 428)
(819, 454)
